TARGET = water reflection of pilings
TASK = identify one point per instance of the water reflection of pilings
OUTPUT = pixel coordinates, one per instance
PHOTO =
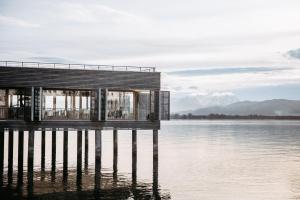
(65, 172)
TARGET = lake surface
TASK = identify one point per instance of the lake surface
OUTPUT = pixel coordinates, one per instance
(197, 160)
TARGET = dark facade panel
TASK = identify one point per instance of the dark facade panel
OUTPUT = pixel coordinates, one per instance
(77, 79)
(164, 105)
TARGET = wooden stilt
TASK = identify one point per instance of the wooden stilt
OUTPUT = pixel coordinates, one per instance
(53, 159)
(115, 146)
(20, 157)
(65, 155)
(98, 138)
(1, 155)
(134, 156)
(30, 160)
(10, 156)
(79, 159)
(43, 150)
(155, 162)
(86, 149)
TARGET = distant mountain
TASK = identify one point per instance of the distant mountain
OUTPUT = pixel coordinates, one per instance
(275, 107)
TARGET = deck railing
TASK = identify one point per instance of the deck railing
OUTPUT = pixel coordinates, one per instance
(66, 114)
(75, 66)
(11, 113)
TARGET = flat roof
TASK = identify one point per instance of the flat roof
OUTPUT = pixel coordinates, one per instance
(75, 66)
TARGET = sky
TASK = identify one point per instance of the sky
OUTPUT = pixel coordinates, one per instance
(209, 52)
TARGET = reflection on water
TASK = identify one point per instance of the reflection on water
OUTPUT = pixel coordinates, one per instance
(47, 185)
(197, 160)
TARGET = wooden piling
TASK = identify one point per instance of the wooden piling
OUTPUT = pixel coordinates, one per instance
(65, 155)
(79, 151)
(10, 155)
(115, 146)
(79, 160)
(1, 155)
(43, 150)
(134, 156)
(86, 149)
(155, 161)
(20, 157)
(30, 158)
(98, 138)
(53, 159)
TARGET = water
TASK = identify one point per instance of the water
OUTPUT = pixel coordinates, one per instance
(197, 160)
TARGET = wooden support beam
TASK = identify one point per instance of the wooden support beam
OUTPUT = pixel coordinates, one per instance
(1, 155)
(86, 149)
(10, 155)
(65, 155)
(30, 159)
(155, 161)
(43, 150)
(134, 156)
(79, 160)
(98, 138)
(53, 159)
(79, 151)
(20, 157)
(115, 146)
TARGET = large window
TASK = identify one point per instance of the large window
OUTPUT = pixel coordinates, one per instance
(11, 104)
(66, 105)
(120, 105)
(124, 105)
(143, 99)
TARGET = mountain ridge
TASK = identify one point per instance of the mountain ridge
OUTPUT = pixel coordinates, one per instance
(273, 107)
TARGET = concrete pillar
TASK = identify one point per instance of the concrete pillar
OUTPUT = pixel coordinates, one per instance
(134, 156)
(86, 149)
(79, 159)
(115, 146)
(10, 155)
(155, 162)
(20, 157)
(98, 138)
(1, 155)
(30, 159)
(53, 153)
(65, 155)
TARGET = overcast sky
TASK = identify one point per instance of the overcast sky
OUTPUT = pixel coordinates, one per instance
(210, 52)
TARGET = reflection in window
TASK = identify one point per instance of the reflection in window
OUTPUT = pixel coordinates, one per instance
(143, 105)
(66, 104)
(120, 105)
(11, 104)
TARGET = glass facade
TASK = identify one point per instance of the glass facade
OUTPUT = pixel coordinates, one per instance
(12, 103)
(120, 105)
(51, 104)
(133, 105)
(66, 105)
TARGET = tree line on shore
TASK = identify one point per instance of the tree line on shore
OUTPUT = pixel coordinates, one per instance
(222, 116)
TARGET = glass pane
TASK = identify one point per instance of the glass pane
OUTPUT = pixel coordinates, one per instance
(120, 105)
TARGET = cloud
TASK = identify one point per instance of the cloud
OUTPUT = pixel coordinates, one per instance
(95, 13)
(51, 60)
(4, 20)
(294, 53)
(220, 71)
